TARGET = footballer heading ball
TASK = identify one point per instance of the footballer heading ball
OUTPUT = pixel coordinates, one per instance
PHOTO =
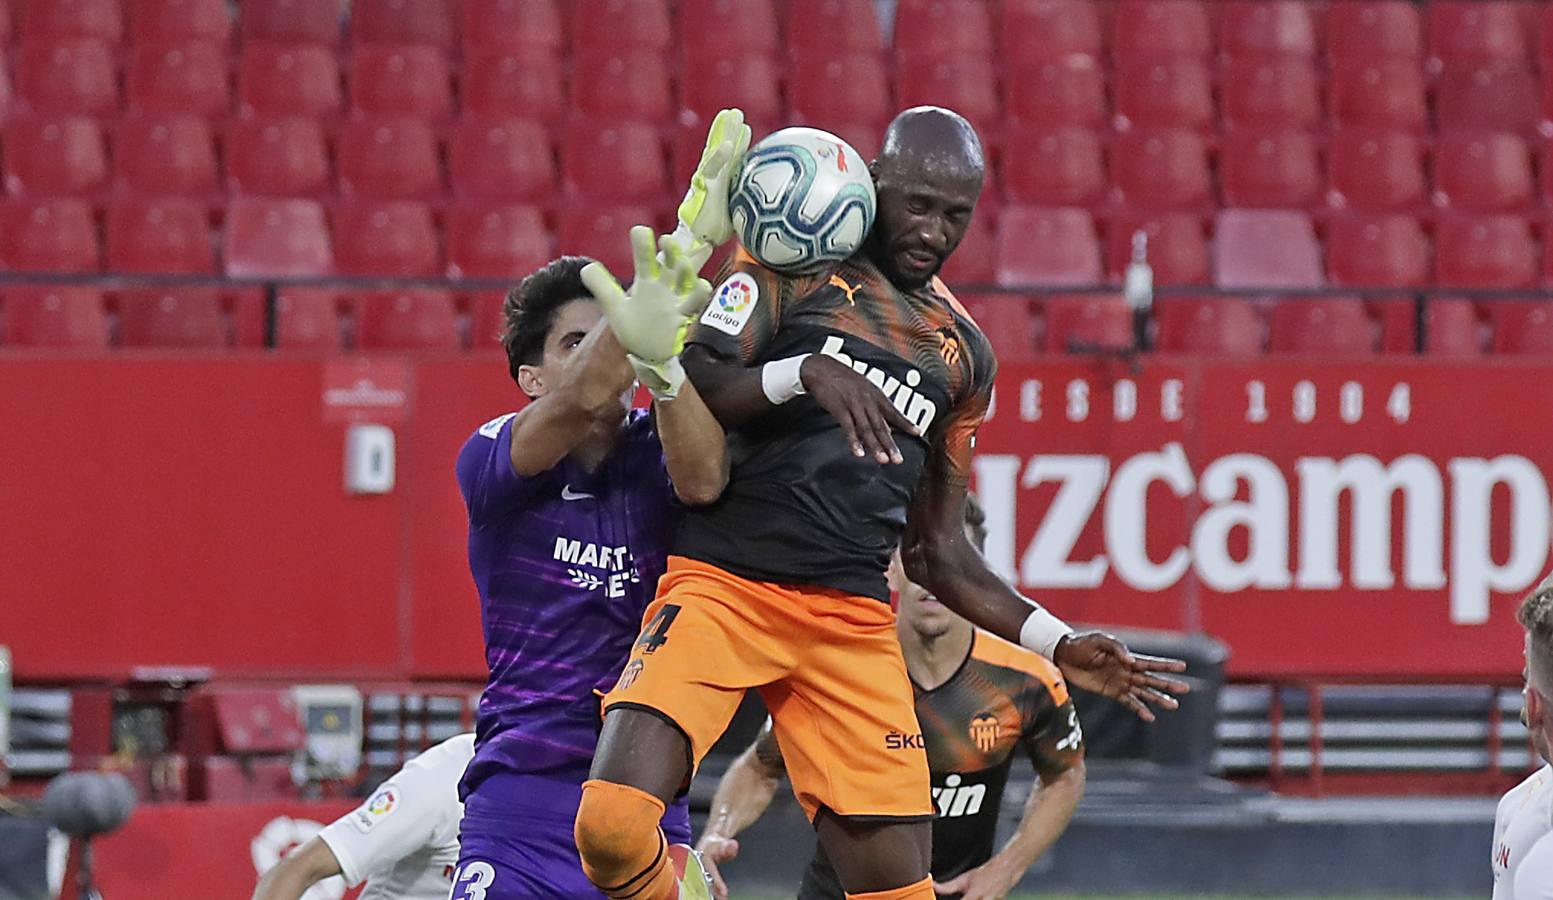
(803, 199)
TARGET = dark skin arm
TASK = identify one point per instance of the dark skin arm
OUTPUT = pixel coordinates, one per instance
(734, 395)
(937, 556)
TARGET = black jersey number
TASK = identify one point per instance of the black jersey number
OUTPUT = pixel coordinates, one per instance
(656, 634)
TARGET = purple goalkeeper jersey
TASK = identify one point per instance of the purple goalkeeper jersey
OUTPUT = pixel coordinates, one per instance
(565, 561)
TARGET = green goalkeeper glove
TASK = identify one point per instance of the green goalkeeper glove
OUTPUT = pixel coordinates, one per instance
(703, 214)
(652, 320)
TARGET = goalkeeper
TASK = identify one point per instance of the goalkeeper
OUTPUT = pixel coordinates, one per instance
(572, 503)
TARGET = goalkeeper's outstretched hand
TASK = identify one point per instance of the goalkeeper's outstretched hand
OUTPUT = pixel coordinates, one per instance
(703, 214)
(653, 318)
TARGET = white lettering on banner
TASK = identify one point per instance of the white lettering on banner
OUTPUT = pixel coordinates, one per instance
(1170, 393)
(1085, 481)
(1078, 401)
(1256, 401)
(1124, 401)
(1030, 401)
(1370, 488)
(1473, 572)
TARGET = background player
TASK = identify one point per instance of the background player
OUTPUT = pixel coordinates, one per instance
(978, 700)
(780, 585)
(572, 503)
(403, 841)
(1523, 844)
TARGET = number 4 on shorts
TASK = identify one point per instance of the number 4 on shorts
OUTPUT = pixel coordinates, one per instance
(656, 634)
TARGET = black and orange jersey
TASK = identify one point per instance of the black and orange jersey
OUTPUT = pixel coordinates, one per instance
(1002, 699)
(799, 508)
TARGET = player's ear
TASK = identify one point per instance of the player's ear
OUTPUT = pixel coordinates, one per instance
(532, 381)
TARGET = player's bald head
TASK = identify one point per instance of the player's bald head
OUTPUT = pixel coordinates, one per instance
(1536, 616)
(930, 142)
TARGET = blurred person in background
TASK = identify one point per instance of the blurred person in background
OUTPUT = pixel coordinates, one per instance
(979, 699)
(402, 841)
(572, 504)
(1523, 825)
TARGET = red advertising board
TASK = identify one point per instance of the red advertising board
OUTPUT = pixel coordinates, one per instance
(1371, 518)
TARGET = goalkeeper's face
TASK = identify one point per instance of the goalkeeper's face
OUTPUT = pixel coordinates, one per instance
(572, 322)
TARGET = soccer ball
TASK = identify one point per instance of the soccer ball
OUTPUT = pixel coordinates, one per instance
(803, 199)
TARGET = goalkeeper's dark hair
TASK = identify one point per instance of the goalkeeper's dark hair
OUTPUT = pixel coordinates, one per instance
(976, 523)
(528, 313)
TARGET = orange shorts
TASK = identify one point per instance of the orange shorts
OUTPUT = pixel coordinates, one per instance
(828, 665)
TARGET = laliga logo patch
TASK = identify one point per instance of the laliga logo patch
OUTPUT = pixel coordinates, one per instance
(734, 302)
(376, 809)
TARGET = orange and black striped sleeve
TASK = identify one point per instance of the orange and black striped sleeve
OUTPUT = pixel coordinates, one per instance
(746, 308)
(955, 441)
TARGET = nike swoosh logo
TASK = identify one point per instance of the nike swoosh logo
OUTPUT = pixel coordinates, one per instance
(568, 494)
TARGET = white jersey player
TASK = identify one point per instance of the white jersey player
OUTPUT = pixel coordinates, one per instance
(1534, 875)
(1524, 817)
(403, 841)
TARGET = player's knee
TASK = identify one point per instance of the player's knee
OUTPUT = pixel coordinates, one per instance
(616, 827)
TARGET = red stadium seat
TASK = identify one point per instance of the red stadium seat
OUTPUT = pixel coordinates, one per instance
(1087, 324)
(6, 32)
(276, 238)
(1068, 92)
(1271, 170)
(614, 25)
(1161, 29)
(183, 78)
(525, 26)
(74, 75)
(822, 28)
(49, 235)
(1489, 98)
(391, 238)
(401, 81)
(290, 79)
(278, 156)
(1271, 93)
(403, 22)
(1321, 325)
(749, 81)
(307, 319)
(159, 155)
(1380, 94)
(506, 83)
(1268, 28)
(1479, 31)
(1061, 167)
(487, 320)
(165, 317)
(729, 27)
(291, 21)
(1375, 171)
(631, 84)
(975, 260)
(1010, 324)
(968, 86)
(1177, 248)
(1047, 246)
(101, 20)
(502, 160)
(851, 89)
(173, 21)
(407, 320)
(602, 233)
(1451, 327)
(1264, 248)
(1161, 170)
(1039, 30)
(1222, 326)
(1485, 251)
(1377, 250)
(389, 158)
(1170, 93)
(930, 30)
(7, 98)
(54, 316)
(496, 241)
(1522, 326)
(46, 156)
(614, 161)
(1365, 30)
(1483, 172)
(161, 235)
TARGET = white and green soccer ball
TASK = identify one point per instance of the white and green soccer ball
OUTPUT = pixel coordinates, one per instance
(804, 198)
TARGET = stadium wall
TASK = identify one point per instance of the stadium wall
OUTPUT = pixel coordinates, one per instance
(1346, 518)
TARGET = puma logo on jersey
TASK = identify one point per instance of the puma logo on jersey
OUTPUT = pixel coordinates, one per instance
(952, 800)
(918, 410)
(849, 290)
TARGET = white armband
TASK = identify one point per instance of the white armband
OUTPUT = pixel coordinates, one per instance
(780, 380)
(1042, 631)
